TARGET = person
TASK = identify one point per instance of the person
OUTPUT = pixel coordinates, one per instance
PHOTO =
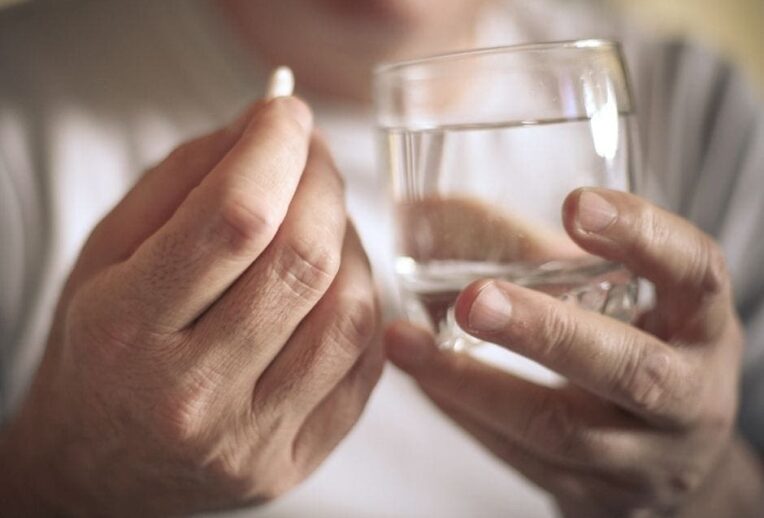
(218, 334)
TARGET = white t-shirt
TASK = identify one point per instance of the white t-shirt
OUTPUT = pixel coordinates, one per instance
(94, 92)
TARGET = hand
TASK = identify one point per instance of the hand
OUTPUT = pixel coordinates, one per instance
(646, 419)
(215, 341)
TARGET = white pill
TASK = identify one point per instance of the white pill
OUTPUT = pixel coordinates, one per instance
(280, 83)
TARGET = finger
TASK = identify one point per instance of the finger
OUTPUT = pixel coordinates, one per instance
(327, 343)
(540, 419)
(336, 415)
(575, 485)
(156, 196)
(611, 359)
(559, 480)
(535, 428)
(159, 192)
(554, 423)
(587, 439)
(680, 259)
(246, 328)
(225, 223)
(563, 430)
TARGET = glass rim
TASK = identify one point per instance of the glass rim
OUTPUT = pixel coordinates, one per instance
(582, 44)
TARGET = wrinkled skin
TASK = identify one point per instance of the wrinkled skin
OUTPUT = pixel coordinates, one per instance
(215, 341)
(645, 424)
(220, 314)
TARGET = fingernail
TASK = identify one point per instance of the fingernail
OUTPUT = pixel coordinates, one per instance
(410, 347)
(595, 213)
(491, 310)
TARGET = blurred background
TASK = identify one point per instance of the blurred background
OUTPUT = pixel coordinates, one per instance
(735, 27)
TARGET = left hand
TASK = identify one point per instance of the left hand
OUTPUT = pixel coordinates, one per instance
(648, 413)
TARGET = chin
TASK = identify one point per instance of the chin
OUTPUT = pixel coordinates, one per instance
(409, 13)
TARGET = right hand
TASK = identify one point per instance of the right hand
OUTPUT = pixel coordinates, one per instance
(216, 339)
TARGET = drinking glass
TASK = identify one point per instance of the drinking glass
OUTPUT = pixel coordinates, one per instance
(481, 148)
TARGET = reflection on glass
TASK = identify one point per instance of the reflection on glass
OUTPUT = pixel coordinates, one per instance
(482, 148)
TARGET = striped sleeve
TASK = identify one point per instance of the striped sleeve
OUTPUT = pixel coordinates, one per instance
(11, 276)
(703, 134)
(742, 236)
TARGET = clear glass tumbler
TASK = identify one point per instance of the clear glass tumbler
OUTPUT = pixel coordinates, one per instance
(481, 148)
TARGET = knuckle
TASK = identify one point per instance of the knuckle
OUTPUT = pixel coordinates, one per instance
(249, 475)
(245, 223)
(234, 479)
(236, 486)
(706, 269)
(355, 324)
(178, 423)
(683, 480)
(307, 267)
(232, 471)
(664, 486)
(180, 413)
(712, 267)
(651, 229)
(643, 380)
(558, 332)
